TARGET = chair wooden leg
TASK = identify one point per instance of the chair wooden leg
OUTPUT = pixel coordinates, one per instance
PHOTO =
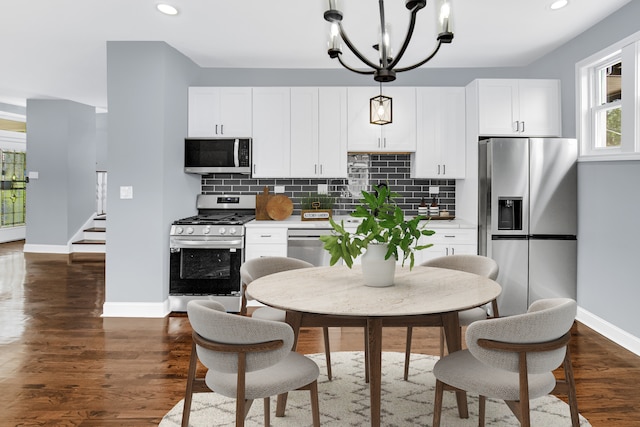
(327, 351)
(437, 403)
(571, 389)
(193, 363)
(441, 342)
(315, 406)
(267, 412)
(407, 352)
(482, 403)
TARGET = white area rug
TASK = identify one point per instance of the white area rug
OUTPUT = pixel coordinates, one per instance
(345, 400)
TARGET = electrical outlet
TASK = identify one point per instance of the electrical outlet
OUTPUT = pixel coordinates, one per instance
(323, 189)
(278, 189)
(126, 192)
(434, 190)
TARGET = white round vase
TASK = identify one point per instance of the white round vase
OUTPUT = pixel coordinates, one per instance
(377, 271)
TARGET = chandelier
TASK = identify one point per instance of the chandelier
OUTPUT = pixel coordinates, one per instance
(385, 70)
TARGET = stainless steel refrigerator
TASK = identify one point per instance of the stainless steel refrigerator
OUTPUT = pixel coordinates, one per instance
(528, 217)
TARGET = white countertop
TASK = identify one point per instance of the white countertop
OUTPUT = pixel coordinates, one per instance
(294, 221)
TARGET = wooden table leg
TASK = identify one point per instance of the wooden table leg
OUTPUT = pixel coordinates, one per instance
(374, 328)
(451, 324)
(294, 319)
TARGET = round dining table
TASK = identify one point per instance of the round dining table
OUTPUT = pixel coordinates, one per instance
(338, 296)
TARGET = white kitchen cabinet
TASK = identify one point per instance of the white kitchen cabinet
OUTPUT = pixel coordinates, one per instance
(448, 241)
(440, 149)
(271, 132)
(520, 107)
(318, 132)
(397, 136)
(219, 112)
(265, 241)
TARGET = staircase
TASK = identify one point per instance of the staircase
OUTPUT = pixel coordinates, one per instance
(92, 246)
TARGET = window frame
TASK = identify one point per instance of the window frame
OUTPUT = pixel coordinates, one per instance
(627, 52)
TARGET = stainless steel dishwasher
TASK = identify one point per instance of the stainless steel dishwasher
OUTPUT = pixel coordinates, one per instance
(305, 244)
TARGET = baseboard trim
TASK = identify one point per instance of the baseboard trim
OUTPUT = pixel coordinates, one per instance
(136, 309)
(610, 331)
(47, 249)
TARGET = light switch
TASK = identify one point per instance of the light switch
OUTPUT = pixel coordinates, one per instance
(323, 189)
(434, 190)
(278, 189)
(33, 174)
(126, 192)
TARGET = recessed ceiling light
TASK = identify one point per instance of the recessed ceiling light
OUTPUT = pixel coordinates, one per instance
(167, 9)
(559, 4)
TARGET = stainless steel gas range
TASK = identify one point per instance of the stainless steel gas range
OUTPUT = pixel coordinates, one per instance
(207, 250)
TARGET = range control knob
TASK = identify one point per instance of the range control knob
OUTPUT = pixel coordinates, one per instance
(189, 230)
(206, 230)
(233, 230)
(222, 230)
(179, 230)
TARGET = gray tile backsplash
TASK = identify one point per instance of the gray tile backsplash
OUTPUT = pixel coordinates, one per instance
(365, 171)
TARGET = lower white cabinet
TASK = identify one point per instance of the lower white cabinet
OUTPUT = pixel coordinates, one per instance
(265, 241)
(448, 241)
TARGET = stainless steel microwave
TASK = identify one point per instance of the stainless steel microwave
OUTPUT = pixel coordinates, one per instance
(216, 155)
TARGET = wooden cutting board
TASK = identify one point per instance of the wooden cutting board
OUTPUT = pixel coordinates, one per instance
(261, 204)
(279, 207)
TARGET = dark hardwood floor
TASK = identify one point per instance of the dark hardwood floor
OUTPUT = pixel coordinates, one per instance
(61, 364)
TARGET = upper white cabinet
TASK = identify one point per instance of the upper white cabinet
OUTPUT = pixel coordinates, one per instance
(219, 112)
(398, 136)
(318, 132)
(271, 132)
(528, 107)
(440, 151)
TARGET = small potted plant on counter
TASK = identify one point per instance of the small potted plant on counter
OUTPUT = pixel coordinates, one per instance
(384, 235)
(317, 207)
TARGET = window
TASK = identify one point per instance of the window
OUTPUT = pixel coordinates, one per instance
(608, 104)
(607, 109)
(12, 188)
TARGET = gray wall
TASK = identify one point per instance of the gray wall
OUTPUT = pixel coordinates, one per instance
(607, 244)
(61, 147)
(102, 126)
(147, 91)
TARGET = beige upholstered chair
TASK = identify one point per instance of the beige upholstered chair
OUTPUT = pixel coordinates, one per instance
(259, 267)
(246, 359)
(513, 359)
(476, 264)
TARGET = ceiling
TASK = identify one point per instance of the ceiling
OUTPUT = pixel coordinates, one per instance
(57, 49)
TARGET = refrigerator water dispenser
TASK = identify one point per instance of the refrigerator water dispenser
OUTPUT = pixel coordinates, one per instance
(509, 213)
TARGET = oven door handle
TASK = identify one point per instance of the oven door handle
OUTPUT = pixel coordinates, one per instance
(228, 244)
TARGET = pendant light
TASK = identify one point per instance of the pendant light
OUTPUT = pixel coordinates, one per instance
(380, 111)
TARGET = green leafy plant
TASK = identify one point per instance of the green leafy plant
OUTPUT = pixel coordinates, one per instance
(383, 222)
(325, 201)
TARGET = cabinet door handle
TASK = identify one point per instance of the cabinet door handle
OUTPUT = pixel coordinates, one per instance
(450, 235)
(385, 143)
(221, 129)
(315, 169)
(522, 130)
(254, 168)
(438, 169)
(320, 168)
(446, 251)
(379, 142)
(516, 126)
(444, 169)
(453, 251)
(216, 129)
(265, 235)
